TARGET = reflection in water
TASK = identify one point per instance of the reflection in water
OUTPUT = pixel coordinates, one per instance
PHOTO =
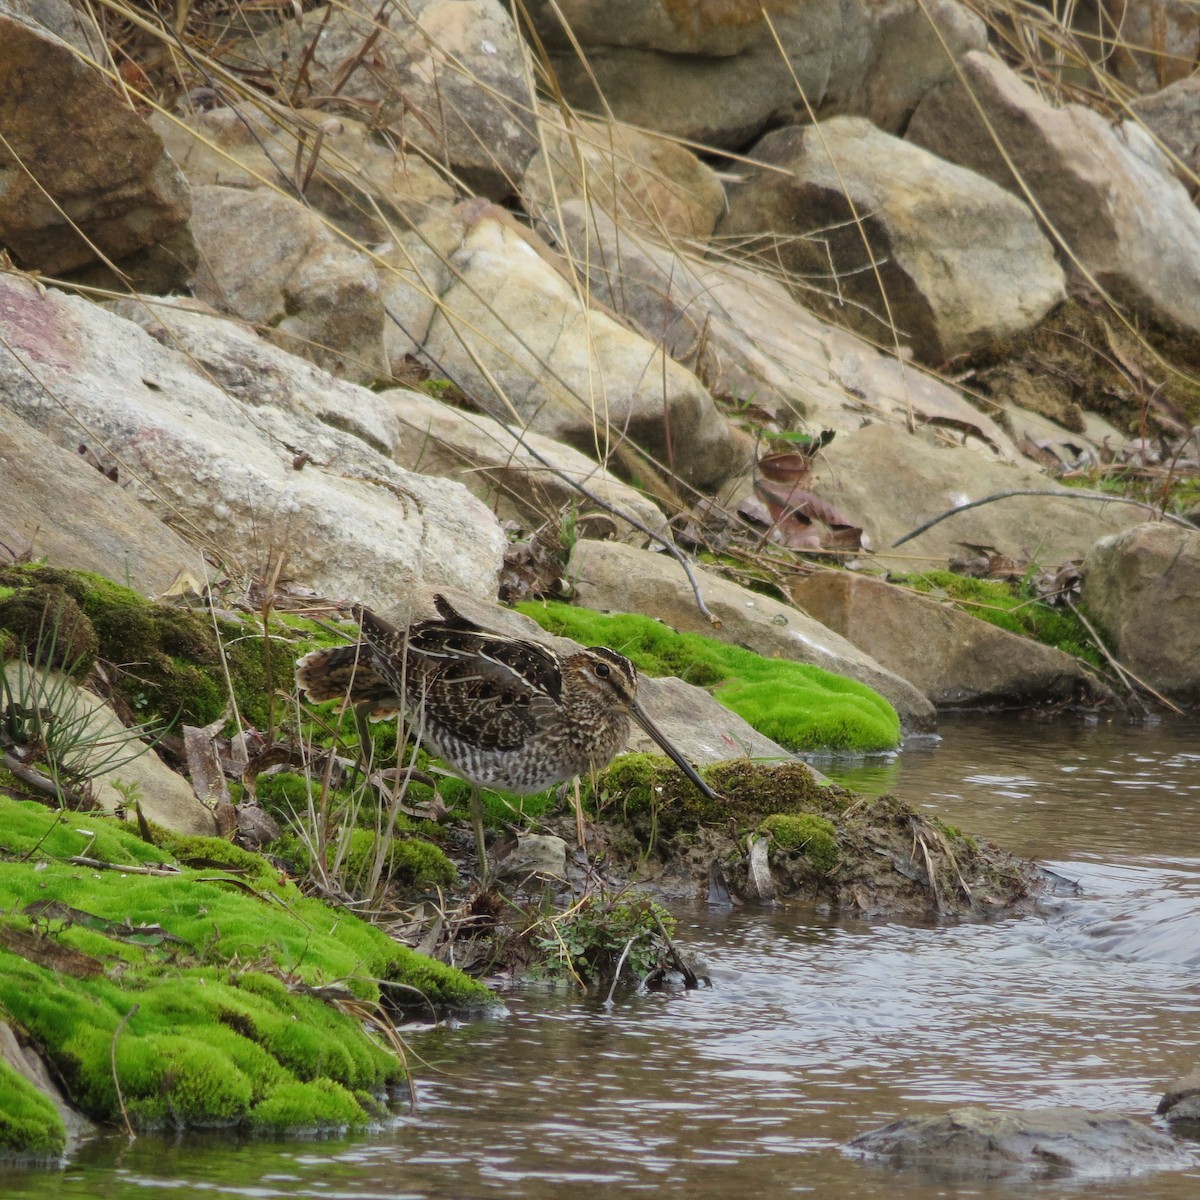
(815, 1028)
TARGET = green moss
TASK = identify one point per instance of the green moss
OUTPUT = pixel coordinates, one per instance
(50, 626)
(800, 706)
(30, 1126)
(166, 662)
(197, 961)
(1009, 606)
(411, 861)
(815, 836)
(319, 1107)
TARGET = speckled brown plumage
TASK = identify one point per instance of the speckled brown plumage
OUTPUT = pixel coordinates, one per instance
(501, 711)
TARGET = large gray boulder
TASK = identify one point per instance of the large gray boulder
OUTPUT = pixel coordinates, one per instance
(81, 174)
(1172, 116)
(721, 73)
(1142, 586)
(1035, 1143)
(882, 235)
(889, 482)
(524, 476)
(634, 176)
(368, 188)
(1108, 194)
(60, 506)
(753, 342)
(264, 476)
(447, 76)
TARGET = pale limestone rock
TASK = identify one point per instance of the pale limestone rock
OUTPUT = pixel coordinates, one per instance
(519, 477)
(249, 483)
(366, 187)
(268, 259)
(950, 260)
(890, 482)
(59, 507)
(449, 77)
(513, 334)
(957, 660)
(1142, 587)
(651, 181)
(1108, 194)
(752, 341)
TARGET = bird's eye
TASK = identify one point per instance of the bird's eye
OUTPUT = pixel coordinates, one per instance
(603, 670)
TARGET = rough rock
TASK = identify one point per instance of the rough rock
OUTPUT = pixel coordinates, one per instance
(268, 259)
(657, 184)
(249, 482)
(446, 76)
(612, 577)
(1173, 117)
(518, 476)
(1142, 587)
(58, 506)
(1095, 186)
(1039, 1143)
(957, 660)
(1181, 1100)
(261, 375)
(852, 212)
(94, 158)
(889, 482)
(76, 28)
(535, 854)
(368, 188)
(512, 333)
(714, 73)
(1151, 44)
(750, 340)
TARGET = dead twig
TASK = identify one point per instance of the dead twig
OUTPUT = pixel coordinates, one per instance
(951, 512)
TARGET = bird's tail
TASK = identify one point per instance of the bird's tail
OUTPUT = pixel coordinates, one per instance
(345, 673)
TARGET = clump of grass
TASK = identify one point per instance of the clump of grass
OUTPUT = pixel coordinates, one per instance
(801, 707)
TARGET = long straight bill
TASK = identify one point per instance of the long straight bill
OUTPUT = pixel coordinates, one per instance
(682, 763)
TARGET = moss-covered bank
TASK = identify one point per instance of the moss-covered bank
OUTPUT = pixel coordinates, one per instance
(165, 995)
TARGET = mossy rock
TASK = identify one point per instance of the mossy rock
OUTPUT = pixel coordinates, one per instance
(799, 706)
(410, 861)
(1009, 606)
(166, 663)
(48, 626)
(224, 988)
(30, 1128)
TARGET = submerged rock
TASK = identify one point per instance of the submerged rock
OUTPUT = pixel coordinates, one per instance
(1042, 1143)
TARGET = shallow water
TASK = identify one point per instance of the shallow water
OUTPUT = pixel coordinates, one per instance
(814, 1029)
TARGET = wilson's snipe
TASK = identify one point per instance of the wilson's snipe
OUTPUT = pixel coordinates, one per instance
(501, 711)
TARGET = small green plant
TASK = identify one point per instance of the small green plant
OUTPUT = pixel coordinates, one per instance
(601, 937)
(48, 725)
